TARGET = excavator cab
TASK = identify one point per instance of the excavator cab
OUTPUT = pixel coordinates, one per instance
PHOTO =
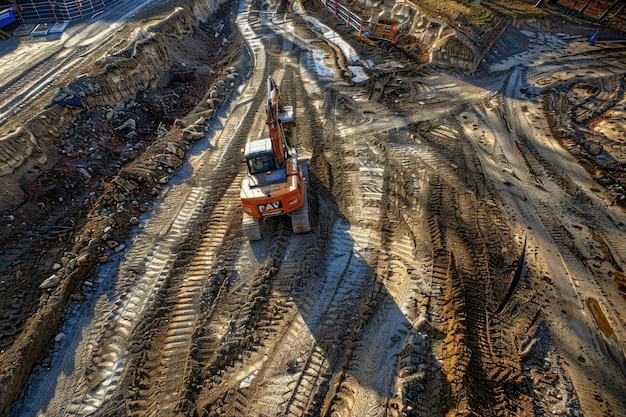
(259, 156)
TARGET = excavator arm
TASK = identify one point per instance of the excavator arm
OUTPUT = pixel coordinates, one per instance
(277, 117)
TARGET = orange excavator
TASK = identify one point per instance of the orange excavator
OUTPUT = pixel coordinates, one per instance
(277, 181)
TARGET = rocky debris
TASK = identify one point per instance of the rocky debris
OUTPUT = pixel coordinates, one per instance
(67, 97)
(194, 125)
(82, 86)
(130, 124)
(74, 92)
(50, 282)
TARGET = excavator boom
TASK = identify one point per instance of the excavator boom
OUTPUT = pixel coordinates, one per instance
(278, 118)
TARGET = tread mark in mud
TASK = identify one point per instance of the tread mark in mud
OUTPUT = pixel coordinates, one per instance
(185, 295)
(109, 360)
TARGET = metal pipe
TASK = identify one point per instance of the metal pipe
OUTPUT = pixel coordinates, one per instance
(581, 11)
(603, 15)
(53, 12)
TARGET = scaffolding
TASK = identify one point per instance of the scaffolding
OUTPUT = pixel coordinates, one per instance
(39, 11)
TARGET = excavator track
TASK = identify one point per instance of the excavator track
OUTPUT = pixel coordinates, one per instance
(252, 227)
(301, 219)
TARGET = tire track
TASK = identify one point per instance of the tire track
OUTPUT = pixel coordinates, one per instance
(340, 319)
(468, 237)
(236, 325)
(316, 336)
(358, 394)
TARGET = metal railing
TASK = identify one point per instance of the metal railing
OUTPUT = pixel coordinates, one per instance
(31, 11)
(365, 28)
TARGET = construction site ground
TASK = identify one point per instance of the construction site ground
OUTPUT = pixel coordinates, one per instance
(469, 235)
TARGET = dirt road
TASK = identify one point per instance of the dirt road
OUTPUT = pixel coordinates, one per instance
(462, 260)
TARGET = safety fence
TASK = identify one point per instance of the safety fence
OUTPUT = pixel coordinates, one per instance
(376, 30)
(32, 11)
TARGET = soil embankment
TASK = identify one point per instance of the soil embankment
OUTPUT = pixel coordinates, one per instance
(72, 163)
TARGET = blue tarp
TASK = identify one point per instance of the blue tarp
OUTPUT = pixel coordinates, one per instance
(6, 17)
(72, 102)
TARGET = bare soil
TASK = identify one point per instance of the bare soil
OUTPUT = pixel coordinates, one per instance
(466, 259)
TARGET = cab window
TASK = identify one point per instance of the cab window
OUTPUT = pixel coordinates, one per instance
(261, 164)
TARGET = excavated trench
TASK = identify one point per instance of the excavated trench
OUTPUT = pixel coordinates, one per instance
(101, 168)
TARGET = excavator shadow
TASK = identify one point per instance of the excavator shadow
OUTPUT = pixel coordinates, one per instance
(359, 327)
